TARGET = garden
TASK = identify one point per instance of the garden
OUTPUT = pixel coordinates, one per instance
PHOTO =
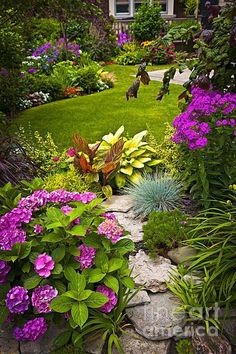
(117, 188)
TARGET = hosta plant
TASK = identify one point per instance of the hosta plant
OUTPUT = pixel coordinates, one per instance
(115, 160)
(62, 257)
(155, 193)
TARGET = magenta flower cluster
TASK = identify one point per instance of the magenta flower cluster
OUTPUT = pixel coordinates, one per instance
(11, 224)
(4, 270)
(111, 230)
(32, 330)
(123, 38)
(43, 265)
(192, 126)
(42, 297)
(111, 303)
(86, 257)
(17, 300)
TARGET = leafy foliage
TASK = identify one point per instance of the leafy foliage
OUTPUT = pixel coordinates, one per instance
(155, 193)
(213, 236)
(164, 230)
(184, 346)
(148, 22)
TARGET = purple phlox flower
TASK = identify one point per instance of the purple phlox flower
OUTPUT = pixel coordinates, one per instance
(43, 265)
(111, 230)
(111, 303)
(4, 72)
(232, 122)
(42, 297)
(38, 229)
(218, 123)
(17, 300)
(123, 38)
(224, 122)
(71, 152)
(32, 330)
(4, 270)
(86, 257)
(56, 159)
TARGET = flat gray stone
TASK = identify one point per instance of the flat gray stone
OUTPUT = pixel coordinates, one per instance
(229, 325)
(8, 345)
(122, 203)
(152, 274)
(140, 298)
(94, 344)
(181, 254)
(205, 344)
(133, 343)
(157, 320)
(131, 224)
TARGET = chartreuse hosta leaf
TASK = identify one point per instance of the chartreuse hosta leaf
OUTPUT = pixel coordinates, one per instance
(113, 138)
(127, 170)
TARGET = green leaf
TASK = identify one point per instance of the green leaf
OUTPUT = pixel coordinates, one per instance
(32, 282)
(71, 294)
(58, 253)
(79, 313)
(57, 217)
(61, 304)
(57, 269)
(96, 299)
(4, 312)
(25, 249)
(52, 238)
(128, 282)
(26, 267)
(60, 287)
(101, 261)
(78, 230)
(111, 282)
(79, 283)
(70, 273)
(33, 256)
(114, 264)
(77, 212)
(95, 275)
(62, 339)
(125, 245)
(84, 294)
(74, 250)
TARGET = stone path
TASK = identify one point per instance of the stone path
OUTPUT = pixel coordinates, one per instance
(179, 79)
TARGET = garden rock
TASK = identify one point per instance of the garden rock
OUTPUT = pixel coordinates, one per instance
(140, 298)
(153, 274)
(122, 203)
(229, 326)
(8, 345)
(157, 320)
(133, 343)
(211, 344)
(131, 224)
(94, 344)
(181, 254)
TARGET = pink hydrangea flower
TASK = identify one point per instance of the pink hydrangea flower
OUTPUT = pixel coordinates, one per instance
(43, 265)
(38, 229)
(111, 303)
(111, 230)
(17, 300)
(42, 297)
(32, 330)
(86, 257)
(110, 216)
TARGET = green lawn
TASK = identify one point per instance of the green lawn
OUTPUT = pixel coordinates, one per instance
(97, 114)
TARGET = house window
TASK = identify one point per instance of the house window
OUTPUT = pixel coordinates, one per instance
(137, 3)
(122, 7)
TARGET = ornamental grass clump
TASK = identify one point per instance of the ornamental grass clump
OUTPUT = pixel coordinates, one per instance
(155, 193)
(63, 259)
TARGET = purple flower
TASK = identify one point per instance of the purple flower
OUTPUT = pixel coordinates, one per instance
(224, 122)
(32, 70)
(42, 297)
(66, 209)
(110, 216)
(32, 330)
(38, 229)
(17, 300)
(4, 72)
(43, 265)
(56, 159)
(111, 303)
(86, 257)
(232, 122)
(4, 270)
(111, 230)
(71, 152)
(9, 237)
(218, 123)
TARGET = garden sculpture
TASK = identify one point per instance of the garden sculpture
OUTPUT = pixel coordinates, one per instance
(133, 90)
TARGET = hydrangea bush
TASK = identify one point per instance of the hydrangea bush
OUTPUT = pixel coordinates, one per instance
(206, 132)
(61, 257)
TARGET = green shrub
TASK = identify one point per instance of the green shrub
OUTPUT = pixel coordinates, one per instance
(129, 58)
(148, 22)
(87, 78)
(155, 193)
(184, 346)
(186, 24)
(43, 30)
(70, 180)
(164, 230)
